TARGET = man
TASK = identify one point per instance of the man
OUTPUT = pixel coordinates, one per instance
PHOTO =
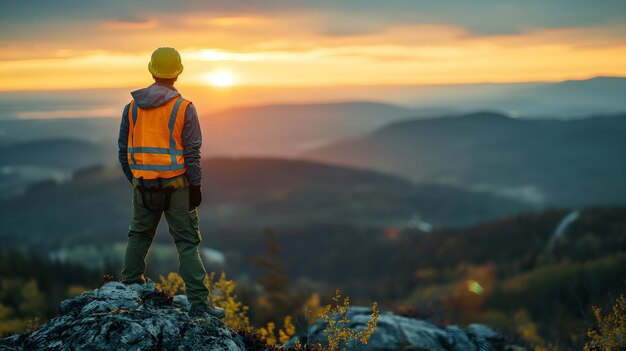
(159, 150)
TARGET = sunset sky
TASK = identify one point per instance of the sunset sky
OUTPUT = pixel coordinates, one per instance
(102, 44)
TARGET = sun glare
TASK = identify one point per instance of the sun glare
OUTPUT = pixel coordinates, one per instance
(220, 79)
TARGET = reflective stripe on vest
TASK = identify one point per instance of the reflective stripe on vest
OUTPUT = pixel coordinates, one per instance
(155, 147)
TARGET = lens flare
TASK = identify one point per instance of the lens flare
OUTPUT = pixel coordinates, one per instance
(475, 287)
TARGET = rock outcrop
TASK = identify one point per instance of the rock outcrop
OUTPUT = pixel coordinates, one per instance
(395, 333)
(139, 317)
(120, 317)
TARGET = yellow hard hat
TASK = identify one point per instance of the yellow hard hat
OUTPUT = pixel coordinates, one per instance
(165, 63)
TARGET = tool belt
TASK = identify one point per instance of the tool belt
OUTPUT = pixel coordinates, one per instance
(160, 195)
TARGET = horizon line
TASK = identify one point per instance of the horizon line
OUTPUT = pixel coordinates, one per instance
(381, 85)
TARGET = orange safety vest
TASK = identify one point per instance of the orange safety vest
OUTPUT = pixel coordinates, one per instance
(155, 144)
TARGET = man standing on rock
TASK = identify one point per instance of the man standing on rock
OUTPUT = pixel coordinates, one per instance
(159, 150)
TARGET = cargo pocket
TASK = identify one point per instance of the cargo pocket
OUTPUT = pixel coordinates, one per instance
(195, 225)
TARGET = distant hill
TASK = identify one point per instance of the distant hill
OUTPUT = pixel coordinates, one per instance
(330, 115)
(27, 162)
(100, 131)
(544, 162)
(567, 99)
(287, 192)
(266, 130)
(243, 194)
(597, 95)
(285, 130)
(519, 241)
(70, 154)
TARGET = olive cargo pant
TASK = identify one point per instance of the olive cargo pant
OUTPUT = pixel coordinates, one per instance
(183, 226)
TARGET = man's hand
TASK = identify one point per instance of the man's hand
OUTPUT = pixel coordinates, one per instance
(195, 196)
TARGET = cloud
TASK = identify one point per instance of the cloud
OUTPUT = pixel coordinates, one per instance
(130, 24)
(311, 42)
(227, 21)
(346, 17)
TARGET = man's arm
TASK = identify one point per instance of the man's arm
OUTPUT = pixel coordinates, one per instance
(122, 144)
(192, 141)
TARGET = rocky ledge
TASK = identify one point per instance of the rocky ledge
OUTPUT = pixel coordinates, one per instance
(139, 317)
(395, 333)
(120, 317)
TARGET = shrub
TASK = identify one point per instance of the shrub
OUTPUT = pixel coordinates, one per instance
(171, 285)
(312, 308)
(21, 304)
(253, 341)
(222, 295)
(610, 334)
(335, 315)
(340, 335)
(269, 334)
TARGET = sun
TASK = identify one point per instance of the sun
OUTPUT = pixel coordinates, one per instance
(220, 79)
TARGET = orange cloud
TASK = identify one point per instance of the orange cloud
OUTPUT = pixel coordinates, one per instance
(284, 51)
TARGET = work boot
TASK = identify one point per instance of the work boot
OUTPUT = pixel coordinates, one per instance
(200, 310)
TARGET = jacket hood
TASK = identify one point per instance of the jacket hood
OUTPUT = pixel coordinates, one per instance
(154, 96)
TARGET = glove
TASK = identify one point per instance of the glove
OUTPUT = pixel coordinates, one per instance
(195, 196)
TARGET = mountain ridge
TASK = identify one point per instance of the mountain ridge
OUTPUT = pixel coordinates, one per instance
(247, 194)
(493, 150)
